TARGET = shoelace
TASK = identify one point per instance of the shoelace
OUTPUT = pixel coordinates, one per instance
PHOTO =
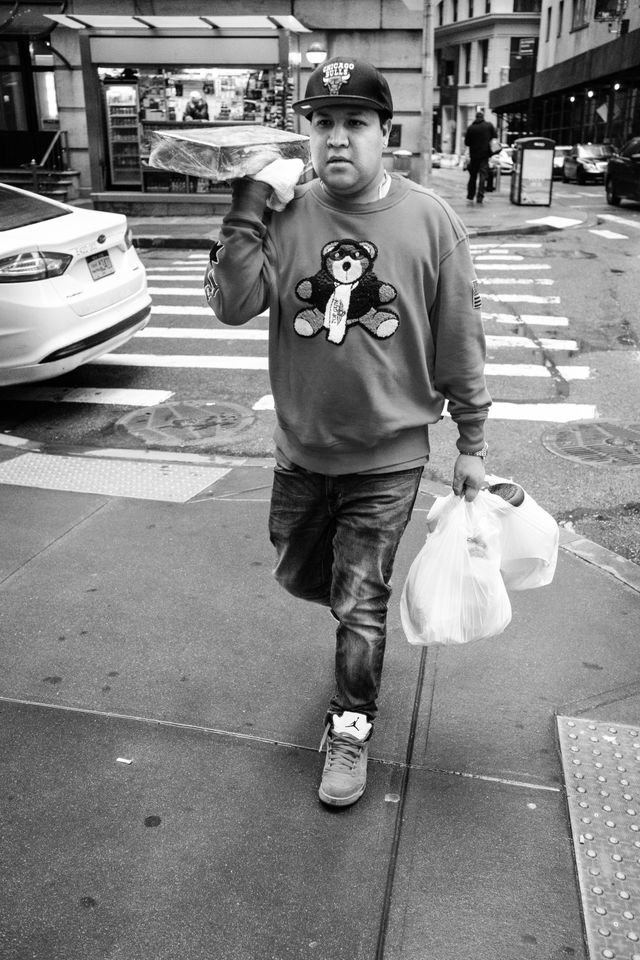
(341, 752)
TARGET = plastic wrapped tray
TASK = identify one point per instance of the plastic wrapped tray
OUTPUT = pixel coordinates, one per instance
(224, 153)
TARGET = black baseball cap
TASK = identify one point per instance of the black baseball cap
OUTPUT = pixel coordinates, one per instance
(342, 81)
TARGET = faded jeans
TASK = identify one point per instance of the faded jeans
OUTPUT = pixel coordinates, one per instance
(336, 539)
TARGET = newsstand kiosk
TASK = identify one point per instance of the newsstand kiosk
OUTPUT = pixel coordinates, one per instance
(532, 177)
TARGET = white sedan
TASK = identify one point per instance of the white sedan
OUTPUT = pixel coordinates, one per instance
(71, 286)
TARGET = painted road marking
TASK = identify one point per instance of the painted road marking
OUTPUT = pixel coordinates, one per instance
(195, 333)
(537, 412)
(513, 266)
(500, 256)
(518, 298)
(531, 319)
(610, 235)
(547, 343)
(558, 222)
(518, 281)
(176, 360)
(176, 291)
(634, 224)
(104, 395)
(533, 370)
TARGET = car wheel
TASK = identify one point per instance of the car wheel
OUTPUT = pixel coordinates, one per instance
(565, 178)
(612, 197)
(580, 177)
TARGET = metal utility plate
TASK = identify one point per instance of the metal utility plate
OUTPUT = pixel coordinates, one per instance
(602, 777)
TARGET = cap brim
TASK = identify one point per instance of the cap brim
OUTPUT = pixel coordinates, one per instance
(305, 107)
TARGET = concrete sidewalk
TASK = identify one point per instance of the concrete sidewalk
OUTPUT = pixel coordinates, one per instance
(161, 707)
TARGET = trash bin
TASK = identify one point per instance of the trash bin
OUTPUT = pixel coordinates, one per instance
(532, 177)
(402, 162)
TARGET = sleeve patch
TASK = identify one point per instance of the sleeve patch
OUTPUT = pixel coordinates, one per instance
(476, 299)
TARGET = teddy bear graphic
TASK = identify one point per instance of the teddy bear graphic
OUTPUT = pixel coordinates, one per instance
(346, 291)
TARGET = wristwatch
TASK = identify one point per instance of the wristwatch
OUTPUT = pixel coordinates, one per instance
(482, 453)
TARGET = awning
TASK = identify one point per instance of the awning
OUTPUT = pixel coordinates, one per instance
(177, 23)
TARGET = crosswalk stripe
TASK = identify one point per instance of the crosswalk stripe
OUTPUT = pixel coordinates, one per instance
(158, 277)
(609, 234)
(197, 333)
(103, 395)
(543, 412)
(540, 320)
(534, 370)
(547, 343)
(500, 256)
(176, 291)
(173, 360)
(537, 412)
(513, 266)
(518, 298)
(503, 246)
(634, 224)
(517, 281)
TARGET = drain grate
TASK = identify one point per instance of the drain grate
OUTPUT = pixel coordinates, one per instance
(601, 764)
(596, 442)
(186, 423)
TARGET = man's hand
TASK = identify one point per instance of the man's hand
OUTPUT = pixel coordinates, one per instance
(282, 175)
(468, 476)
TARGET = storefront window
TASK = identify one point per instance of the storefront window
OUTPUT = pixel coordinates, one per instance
(13, 113)
(137, 102)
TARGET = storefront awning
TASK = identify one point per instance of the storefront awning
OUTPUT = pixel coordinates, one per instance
(115, 22)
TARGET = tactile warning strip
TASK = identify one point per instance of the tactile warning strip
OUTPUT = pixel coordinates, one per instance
(601, 763)
(171, 482)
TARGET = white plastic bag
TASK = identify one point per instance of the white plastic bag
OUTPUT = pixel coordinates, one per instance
(529, 542)
(454, 592)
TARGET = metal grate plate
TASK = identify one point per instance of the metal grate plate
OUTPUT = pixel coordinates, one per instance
(601, 764)
(171, 482)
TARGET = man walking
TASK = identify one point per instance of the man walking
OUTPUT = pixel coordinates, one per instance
(478, 138)
(374, 324)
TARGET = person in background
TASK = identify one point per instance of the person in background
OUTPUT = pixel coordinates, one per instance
(477, 139)
(375, 324)
(196, 108)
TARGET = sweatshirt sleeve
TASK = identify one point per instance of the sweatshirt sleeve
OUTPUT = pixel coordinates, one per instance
(456, 322)
(236, 281)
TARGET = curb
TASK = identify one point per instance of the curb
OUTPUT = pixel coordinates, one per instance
(571, 542)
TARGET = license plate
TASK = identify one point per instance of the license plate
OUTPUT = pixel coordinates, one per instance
(100, 265)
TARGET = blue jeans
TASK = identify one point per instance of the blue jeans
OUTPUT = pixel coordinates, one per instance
(336, 539)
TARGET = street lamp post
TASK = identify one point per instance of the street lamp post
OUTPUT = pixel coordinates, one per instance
(426, 135)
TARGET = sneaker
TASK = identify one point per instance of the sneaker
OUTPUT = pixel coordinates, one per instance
(345, 770)
(480, 199)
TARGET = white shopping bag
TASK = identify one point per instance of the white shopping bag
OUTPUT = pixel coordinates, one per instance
(454, 592)
(529, 542)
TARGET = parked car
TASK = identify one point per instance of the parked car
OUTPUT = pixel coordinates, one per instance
(622, 179)
(587, 161)
(559, 153)
(503, 161)
(71, 286)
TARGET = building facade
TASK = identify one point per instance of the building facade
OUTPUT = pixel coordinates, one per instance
(586, 86)
(83, 90)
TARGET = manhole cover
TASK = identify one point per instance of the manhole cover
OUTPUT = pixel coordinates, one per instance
(187, 423)
(593, 442)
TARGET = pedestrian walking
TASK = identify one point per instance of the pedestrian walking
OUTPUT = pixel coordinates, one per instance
(374, 324)
(478, 139)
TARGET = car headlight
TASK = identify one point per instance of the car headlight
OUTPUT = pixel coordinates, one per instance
(128, 238)
(590, 164)
(34, 265)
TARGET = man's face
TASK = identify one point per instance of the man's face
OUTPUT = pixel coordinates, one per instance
(346, 150)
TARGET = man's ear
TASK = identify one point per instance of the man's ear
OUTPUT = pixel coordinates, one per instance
(386, 131)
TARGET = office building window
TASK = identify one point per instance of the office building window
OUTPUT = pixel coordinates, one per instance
(440, 14)
(470, 9)
(579, 18)
(484, 60)
(466, 63)
(560, 17)
(547, 32)
(455, 11)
